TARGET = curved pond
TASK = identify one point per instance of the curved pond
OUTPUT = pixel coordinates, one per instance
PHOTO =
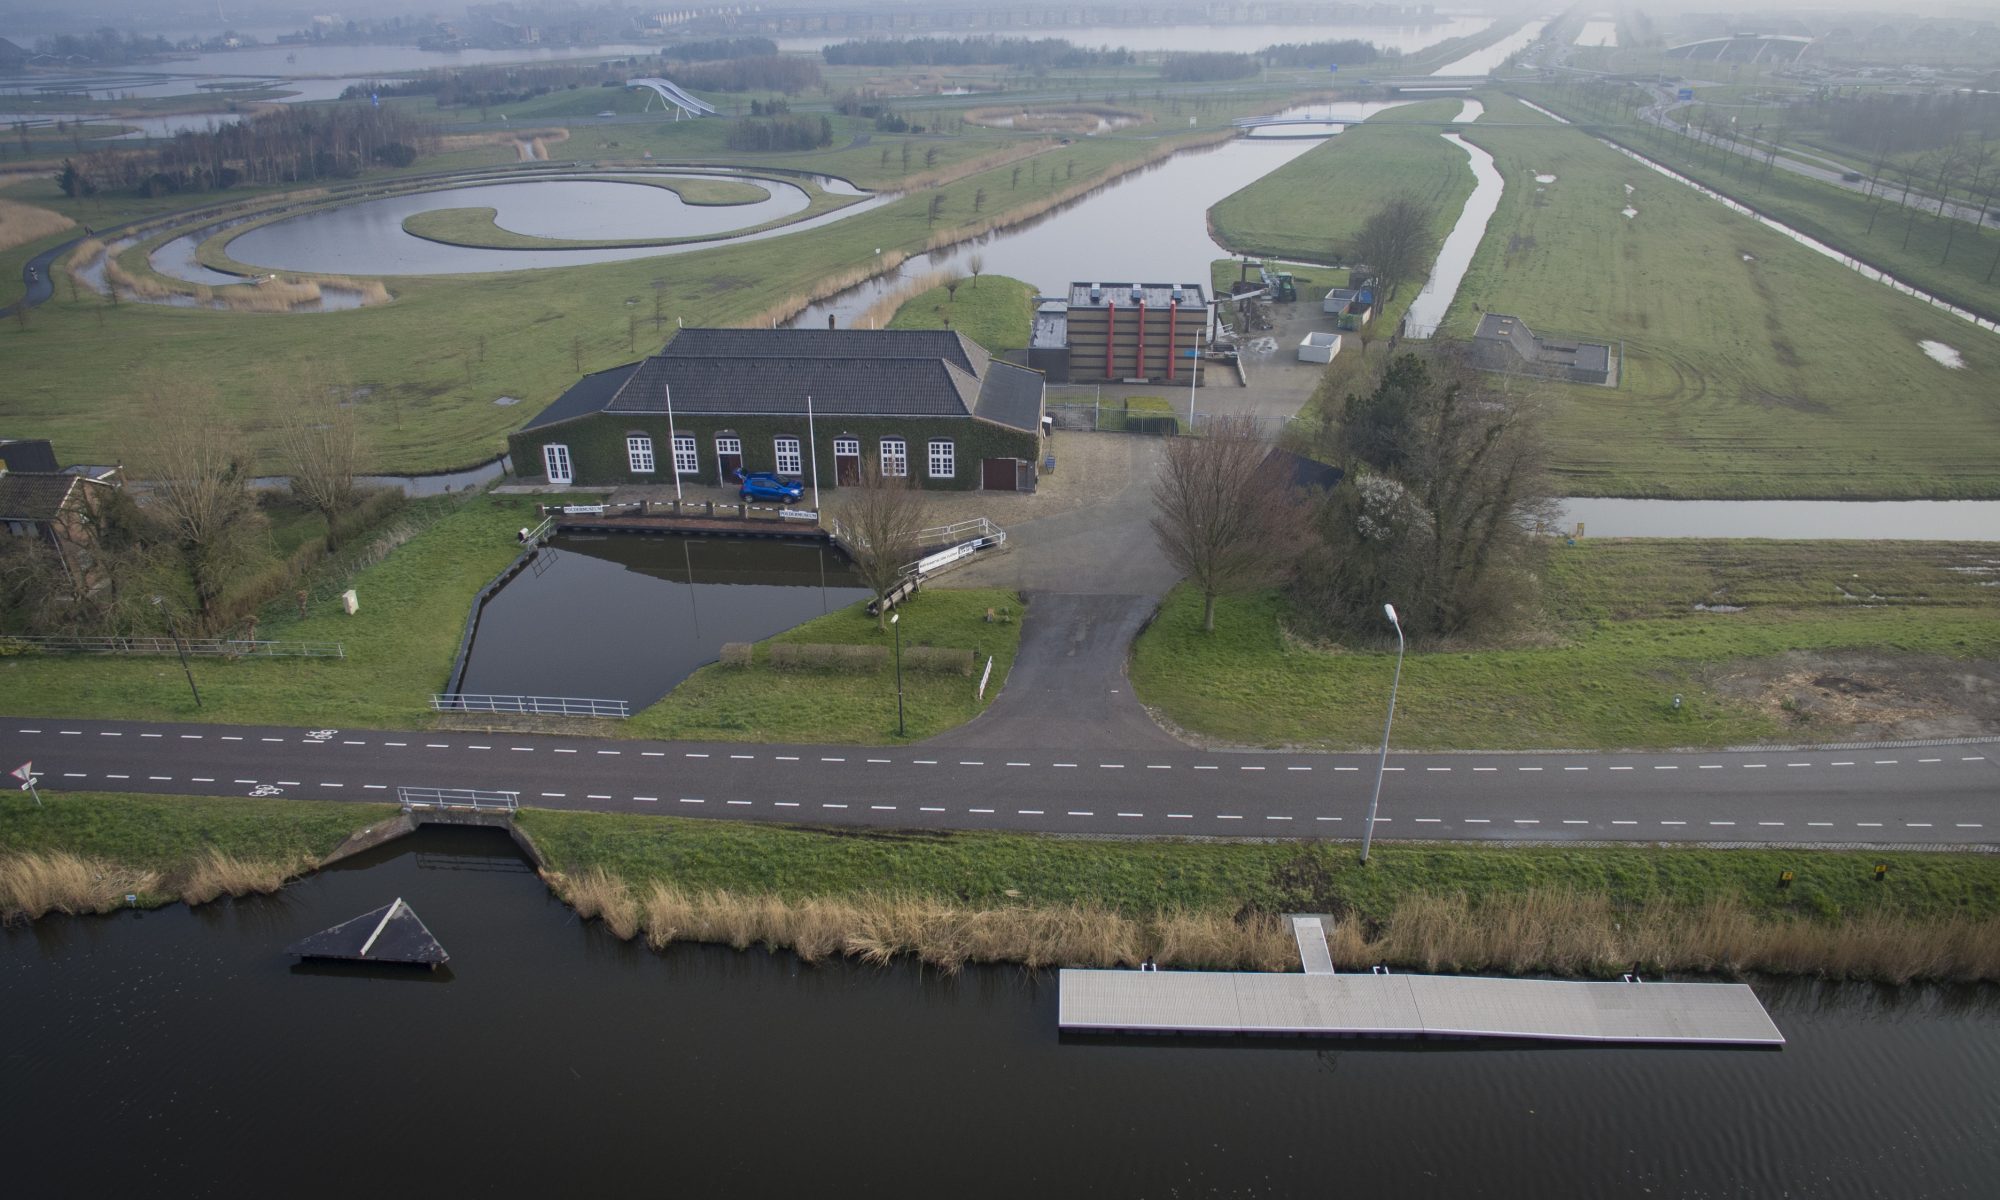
(191, 1049)
(367, 238)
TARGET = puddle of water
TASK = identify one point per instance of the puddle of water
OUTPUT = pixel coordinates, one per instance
(1944, 354)
(627, 617)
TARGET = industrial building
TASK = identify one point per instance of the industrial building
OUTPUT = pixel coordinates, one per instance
(1122, 332)
(1504, 343)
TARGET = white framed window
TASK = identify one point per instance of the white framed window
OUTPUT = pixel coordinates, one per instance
(729, 445)
(555, 462)
(687, 460)
(944, 460)
(895, 458)
(847, 447)
(639, 453)
(788, 455)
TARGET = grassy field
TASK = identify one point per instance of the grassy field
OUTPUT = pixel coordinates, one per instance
(1620, 639)
(761, 702)
(997, 312)
(1312, 207)
(1754, 367)
(447, 348)
(1834, 215)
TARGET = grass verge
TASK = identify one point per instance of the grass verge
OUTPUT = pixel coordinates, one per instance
(760, 702)
(995, 311)
(974, 897)
(84, 852)
(1620, 638)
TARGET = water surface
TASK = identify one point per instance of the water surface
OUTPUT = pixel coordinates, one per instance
(181, 1053)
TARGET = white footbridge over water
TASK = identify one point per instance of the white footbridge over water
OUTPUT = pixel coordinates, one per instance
(674, 94)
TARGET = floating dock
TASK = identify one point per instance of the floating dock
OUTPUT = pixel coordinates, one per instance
(1231, 1002)
(390, 934)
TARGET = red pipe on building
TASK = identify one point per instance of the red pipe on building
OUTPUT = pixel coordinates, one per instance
(1110, 334)
(1139, 359)
(1173, 309)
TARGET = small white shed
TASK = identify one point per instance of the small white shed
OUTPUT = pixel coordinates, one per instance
(1319, 347)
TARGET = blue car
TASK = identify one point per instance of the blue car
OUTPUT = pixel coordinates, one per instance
(765, 486)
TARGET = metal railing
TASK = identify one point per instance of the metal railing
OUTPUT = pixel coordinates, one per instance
(557, 706)
(205, 647)
(460, 799)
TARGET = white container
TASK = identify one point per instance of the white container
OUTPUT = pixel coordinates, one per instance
(1319, 347)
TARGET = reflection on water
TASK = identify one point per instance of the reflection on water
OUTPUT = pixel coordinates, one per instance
(1485, 62)
(626, 617)
(188, 1046)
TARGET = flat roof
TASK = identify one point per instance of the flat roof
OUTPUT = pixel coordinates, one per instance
(1154, 295)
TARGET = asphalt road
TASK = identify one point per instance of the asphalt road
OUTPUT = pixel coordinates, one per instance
(1946, 794)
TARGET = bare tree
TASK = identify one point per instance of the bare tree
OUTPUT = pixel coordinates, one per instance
(197, 474)
(319, 438)
(883, 517)
(976, 263)
(1224, 520)
(936, 207)
(1395, 241)
(951, 284)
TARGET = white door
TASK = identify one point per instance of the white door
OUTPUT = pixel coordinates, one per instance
(555, 461)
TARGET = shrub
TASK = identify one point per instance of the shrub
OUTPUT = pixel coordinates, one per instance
(941, 659)
(822, 656)
(737, 654)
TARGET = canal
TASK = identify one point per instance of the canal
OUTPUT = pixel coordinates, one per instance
(180, 1053)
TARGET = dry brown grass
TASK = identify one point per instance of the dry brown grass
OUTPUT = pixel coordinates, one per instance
(373, 291)
(1547, 931)
(23, 223)
(279, 293)
(32, 885)
(831, 285)
(151, 287)
(220, 874)
(497, 137)
(883, 310)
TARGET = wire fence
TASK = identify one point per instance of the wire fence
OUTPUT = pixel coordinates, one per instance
(202, 647)
(556, 706)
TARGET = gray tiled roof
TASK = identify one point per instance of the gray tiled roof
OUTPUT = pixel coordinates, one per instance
(1011, 396)
(587, 395)
(827, 344)
(33, 495)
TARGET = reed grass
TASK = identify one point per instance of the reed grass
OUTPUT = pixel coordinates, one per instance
(219, 874)
(37, 883)
(1557, 931)
(880, 313)
(23, 223)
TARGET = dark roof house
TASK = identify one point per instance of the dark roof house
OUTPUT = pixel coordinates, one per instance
(740, 383)
(53, 504)
(1504, 343)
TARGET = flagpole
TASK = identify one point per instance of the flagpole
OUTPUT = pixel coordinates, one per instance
(673, 460)
(812, 440)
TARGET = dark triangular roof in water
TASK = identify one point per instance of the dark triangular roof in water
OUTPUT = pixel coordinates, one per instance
(390, 934)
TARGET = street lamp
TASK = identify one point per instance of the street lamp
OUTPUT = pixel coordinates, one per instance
(174, 631)
(1368, 834)
(896, 622)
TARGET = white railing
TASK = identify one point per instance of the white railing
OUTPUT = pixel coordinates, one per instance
(462, 799)
(559, 706)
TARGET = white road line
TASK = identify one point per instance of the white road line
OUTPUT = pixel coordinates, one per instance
(1526, 821)
(652, 754)
(823, 759)
(597, 796)
(873, 760)
(1165, 767)
(786, 803)
(924, 762)
(1473, 820)
(384, 743)
(1429, 820)
(1121, 766)
(1437, 768)
(739, 803)
(1358, 768)
(169, 778)
(1821, 824)
(1298, 768)
(1062, 764)
(1973, 758)
(1624, 768)
(1665, 767)
(1227, 817)
(1131, 814)
(1326, 818)
(1395, 768)
(288, 783)
(876, 807)
(1268, 817)
(79, 775)
(559, 749)
(1673, 822)
(786, 757)
(555, 795)
(930, 810)
(1930, 760)
(1709, 767)
(1970, 825)
(1527, 768)
(1778, 824)
(108, 733)
(38, 731)
(656, 800)
(344, 785)
(621, 752)
(376, 787)
(1180, 816)
(1804, 764)
(1249, 768)
(343, 742)
(1027, 812)
(1624, 822)
(1574, 821)
(1576, 768)
(118, 777)
(211, 779)
(1755, 766)
(1015, 764)
(531, 750)
(1722, 822)
(427, 745)
(1840, 764)
(479, 747)
(1074, 813)
(1475, 768)
(699, 800)
(152, 735)
(981, 811)
(79, 733)
(1918, 824)
(970, 762)
(692, 754)
(735, 756)
(246, 781)
(1200, 768)
(1869, 824)
(1885, 762)
(271, 739)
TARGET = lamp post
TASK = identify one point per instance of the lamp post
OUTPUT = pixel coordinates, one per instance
(1368, 834)
(896, 623)
(173, 629)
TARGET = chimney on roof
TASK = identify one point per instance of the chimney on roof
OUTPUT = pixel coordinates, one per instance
(1096, 292)
(1136, 297)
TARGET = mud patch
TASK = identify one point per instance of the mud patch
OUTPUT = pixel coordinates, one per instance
(1856, 696)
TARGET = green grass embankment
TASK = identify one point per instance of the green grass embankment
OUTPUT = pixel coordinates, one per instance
(761, 702)
(1620, 639)
(84, 852)
(1754, 367)
(995, 311)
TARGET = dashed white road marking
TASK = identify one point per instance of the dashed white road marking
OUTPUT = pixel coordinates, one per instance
(925, 762)
(1027, 812)
(1755, 766)
(652, 754)
(34, 731)
(824, 759)
(344, 785)
(1869, 824)
(1249, 768)
(1919, 824)
(1528, 768)
(559, 750)
(1202, 768)
(1885, 762)
(597, 796)
(879, 807)
(1820, 824)
(787, 757)
(1227, 817)
(779, 803)
(1970, 825)
(479, 747)
(384, 743)
(1574, 821)
(1709, 767)
(1576, 768)
(230, 738)
(554, 795)
(692, 754)
(920, 809)
(1804, 764)
(1665, 767)
(373, 787)
(1121, 766)
(621, 752)
(1624, 822)
(970, 762)
(1075, 813)
(74, 775)
(271, 739)
(1673, 822)
(1778, 824)
(1624, 768)
(734, 756)
(982, 811)
(1017, 764)
(1840, 764)
(873, 760)
(1298, 768)
(1973, 758)
(656, 800)
(1062, 764)
(1429, 820)
(1479, 820)
(1722, 822)
(740, 803)
(1475, 768)
(152, 735)
(1930, 760)
(108, 733)
(211, 779)
(1269, 817)
(343, 742)
(1180, 816)
(1437, 768)
(1158, 767)
(168, 778)
(118, 777)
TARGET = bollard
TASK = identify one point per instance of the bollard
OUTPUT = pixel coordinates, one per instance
(1881, 872)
